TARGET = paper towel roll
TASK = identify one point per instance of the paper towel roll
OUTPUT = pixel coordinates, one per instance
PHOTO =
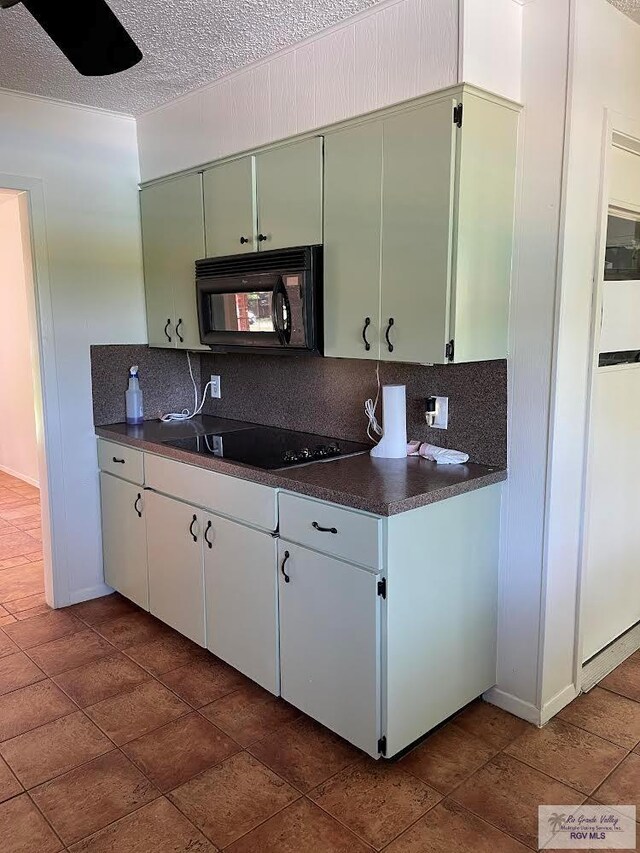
(393, 444)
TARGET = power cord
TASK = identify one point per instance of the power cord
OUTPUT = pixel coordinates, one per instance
(184, 415)
(370, 407)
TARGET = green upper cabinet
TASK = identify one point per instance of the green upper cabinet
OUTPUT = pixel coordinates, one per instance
(172, 240)
(289, 195)
(426, 226)
(352, 232)
(230, 208)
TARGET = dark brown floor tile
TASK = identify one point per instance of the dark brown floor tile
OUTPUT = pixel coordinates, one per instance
(100, 609)
(9, 785)
(625, 679)
(305, 753)
(21, 582)
(180, 750)
(491, 724)
(375, 799)
(139, 711)
(109, 676)
(203, 681)
(156, 828)
(54, 748)
(623, 786)
(300, 828)
(17, 671)
(27, 603)
(571, 755)
(43, 629)
(32, 706)
(447, 828)
(88, 798)
(24, 830)
(232, 798)
(250, 713)
(131, 629)
(447, 758)
(166, 653)
(29, 614)
(71, 652)
(507, 793)
(7, 646)
(606, 714)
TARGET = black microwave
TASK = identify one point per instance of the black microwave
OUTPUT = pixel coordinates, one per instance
(268, 302)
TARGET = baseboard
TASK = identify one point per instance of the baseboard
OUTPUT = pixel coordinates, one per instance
(510, 703)
(89, 592)
(19, 476)
(608, 659)
(557, 703)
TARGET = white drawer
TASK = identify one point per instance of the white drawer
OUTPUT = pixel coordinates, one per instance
(243, 500)
(345, 533)
(123, 461)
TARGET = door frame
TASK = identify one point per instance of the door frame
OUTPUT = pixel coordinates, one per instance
(622, 132)
(45, 381)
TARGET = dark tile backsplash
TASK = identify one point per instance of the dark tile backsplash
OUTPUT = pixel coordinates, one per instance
(322, 395)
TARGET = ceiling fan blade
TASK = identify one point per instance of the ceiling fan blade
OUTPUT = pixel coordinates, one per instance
(88, 33)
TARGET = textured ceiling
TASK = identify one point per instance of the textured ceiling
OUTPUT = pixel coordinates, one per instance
(186, 43)
(629, 7)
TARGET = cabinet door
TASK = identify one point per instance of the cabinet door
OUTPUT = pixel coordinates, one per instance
(172, 240)
(289, 187)
(240, 566)
(352, 233)
(417, 225)
(176, 577)
(124, 538)
(229, 208)
(330, 643)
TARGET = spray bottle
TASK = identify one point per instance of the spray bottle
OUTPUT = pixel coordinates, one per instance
(133, 398)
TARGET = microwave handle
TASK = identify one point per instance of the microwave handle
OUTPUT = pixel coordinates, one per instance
(279, 299)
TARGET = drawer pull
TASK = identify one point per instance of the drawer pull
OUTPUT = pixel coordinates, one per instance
(206, 538)
(283, 564)
(323, 529)
(193, 535)
(120, 461)
(166, 330)
(179, 323)
(136, 507)
(367, 323)
(386, 334)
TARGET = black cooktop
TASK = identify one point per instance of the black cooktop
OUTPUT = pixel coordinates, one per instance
(270, 448)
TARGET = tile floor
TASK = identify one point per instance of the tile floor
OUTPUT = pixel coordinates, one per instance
(116, 734)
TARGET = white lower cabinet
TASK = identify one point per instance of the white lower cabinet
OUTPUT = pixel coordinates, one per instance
(240, 565)
(124, 541)
(176, 575)
(330, 643)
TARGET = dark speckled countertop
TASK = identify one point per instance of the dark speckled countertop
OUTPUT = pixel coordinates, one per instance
(380, 486)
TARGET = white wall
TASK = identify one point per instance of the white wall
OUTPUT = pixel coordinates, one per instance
(393, 51)
(606, 77)
(88, 165)
(18, 448)
(491, 45)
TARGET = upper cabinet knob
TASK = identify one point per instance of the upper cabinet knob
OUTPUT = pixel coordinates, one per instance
(262, 237)
(244, 240)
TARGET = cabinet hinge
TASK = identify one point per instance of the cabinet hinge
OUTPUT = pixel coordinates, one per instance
(382, 588)
(382, 745)
(457, 115)
(449, 351)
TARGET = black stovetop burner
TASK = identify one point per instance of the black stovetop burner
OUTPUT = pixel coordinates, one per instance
(269, 447)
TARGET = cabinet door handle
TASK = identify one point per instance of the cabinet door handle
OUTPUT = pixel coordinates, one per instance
(283, 564)
(135, 505)
(178, 324)
(119, 461)
(323, 529)
(262, 238)
(194, 536)
(244, 240)
(386, 333)
(166, 328)
(367, 323)
(206, 538)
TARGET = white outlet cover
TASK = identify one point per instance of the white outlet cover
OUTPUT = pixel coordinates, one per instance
(442, 413)
(216, 391)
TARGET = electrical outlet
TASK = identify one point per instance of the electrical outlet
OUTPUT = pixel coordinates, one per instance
(441, 414)
(216, 393)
